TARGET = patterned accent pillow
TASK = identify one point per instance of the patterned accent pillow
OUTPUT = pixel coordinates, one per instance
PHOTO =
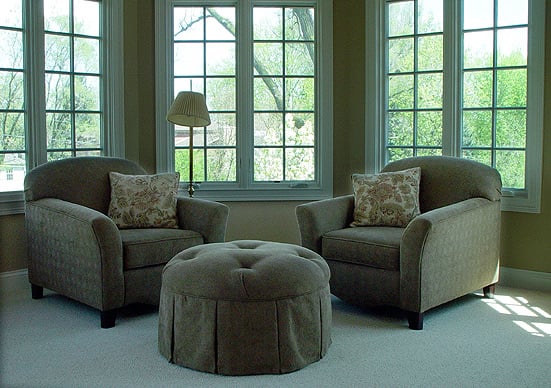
(387, 199)
(144, 201)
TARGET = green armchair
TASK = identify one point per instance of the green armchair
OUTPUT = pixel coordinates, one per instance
(76, 250)
(449, 250)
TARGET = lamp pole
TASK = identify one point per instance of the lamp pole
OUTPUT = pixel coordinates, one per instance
(190, 189)
(189, 109)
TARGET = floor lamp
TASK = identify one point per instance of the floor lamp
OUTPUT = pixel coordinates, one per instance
(189, 109)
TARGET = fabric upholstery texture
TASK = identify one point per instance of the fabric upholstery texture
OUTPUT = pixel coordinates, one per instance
(68, 178)
(245, 307)
(144, 201)
(145, 247)
(388, 199)
(447, 251)
(446, 180)
(381, 249)
(75, 249)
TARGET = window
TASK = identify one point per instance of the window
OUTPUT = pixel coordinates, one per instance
(72, 78)
(204, 60)
(57, 86)
(414, 79)
(260, 65)
(494, 73)
(12, 92)
(463, 79)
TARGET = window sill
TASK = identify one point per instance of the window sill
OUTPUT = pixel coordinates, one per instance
(520, 202)
(254, 195)
(12, 202)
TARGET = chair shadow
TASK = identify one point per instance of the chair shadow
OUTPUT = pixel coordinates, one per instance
(389, 317)
(68, 306)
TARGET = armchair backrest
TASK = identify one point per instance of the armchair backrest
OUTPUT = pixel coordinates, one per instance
(446, 180)
(82, 180)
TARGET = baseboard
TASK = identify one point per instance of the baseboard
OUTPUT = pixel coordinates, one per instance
(520, 278)
(13, 282)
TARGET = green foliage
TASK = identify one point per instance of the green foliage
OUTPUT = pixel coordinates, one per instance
(283, 90)
(73, 102)
(12, 126)
(494, 98)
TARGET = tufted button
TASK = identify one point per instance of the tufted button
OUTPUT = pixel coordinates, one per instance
(263, 270)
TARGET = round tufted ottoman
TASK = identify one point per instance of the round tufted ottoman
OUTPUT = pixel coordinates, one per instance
(245, 307)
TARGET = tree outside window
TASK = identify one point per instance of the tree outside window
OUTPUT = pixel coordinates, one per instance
(491, 64)
(259, 67)
(51, 86)
(283, 50)
(12, 97)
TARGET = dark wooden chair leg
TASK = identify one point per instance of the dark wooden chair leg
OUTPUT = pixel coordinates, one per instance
(489, 291)
(108, 319)
(37, 292)
(415, 320)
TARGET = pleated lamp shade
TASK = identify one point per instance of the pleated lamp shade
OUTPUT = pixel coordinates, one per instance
(189, 109)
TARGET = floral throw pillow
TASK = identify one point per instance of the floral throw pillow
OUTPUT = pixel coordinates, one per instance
(386, 199)
(144, 201)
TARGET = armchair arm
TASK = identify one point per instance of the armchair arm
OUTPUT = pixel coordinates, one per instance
(448, 252)
(206, 217)
(76, 251)
(317, 218)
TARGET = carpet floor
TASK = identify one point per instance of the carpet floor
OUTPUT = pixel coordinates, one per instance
(470, 342)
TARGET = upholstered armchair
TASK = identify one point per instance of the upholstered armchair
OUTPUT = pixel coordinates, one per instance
(77, 250)
(449, 250)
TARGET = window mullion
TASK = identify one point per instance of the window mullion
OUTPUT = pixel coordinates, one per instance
(164, 90)
(451, 133)
(535, 112)
(494, 87)
(112, 96)
(35, 100)
(73, 78)
(376, 27)
(245, 117)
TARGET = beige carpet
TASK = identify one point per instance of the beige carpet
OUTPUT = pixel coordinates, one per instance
(471, 342)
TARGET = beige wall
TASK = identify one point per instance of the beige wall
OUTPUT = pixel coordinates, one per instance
(12, 243)
(139, 80)
(526, 240)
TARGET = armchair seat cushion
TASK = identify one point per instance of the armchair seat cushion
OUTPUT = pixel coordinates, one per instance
(155, 246)
(372, 246)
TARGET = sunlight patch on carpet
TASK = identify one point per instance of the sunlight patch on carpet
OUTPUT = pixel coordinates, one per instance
(535, 320)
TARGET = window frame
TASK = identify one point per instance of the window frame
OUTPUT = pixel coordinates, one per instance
(527, 200)
(112, 85)
(245, 189)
